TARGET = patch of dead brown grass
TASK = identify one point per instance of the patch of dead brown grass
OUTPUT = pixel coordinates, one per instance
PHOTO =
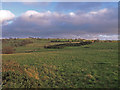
(10, 65)
(32, 72)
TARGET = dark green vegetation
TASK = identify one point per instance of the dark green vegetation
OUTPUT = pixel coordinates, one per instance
(60, 46)
(32, 65)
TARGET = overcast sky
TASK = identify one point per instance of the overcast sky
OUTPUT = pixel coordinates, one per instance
(60, 20)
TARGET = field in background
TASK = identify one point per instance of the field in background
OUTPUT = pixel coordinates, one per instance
(27, 63)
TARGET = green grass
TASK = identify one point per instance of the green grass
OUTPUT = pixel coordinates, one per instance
(76, 67)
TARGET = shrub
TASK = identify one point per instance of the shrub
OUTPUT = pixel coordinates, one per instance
(8, 50)
(60, 46)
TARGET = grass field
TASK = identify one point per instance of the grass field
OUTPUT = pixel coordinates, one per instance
(88, 66)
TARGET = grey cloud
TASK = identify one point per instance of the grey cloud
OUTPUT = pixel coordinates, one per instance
(54, 24)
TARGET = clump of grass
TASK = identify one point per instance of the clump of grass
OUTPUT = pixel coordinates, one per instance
(32, 72)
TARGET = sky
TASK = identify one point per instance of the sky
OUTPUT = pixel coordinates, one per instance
(88, 20)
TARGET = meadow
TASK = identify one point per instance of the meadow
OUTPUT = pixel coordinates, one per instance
(31, 65)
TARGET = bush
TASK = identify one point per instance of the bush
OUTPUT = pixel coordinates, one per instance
(8, 50)
(60, 46)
